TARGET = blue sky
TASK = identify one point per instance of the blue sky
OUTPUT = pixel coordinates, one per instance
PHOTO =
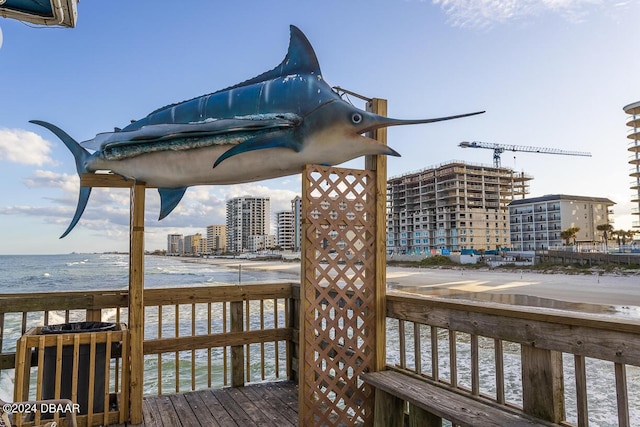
(550, 73)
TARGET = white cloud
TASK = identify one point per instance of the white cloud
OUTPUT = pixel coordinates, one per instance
(280, 199)
(49, 179)
(486, 13)
(107, 213)
(24, 147)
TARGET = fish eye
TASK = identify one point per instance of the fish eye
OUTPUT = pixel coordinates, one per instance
(356, 118)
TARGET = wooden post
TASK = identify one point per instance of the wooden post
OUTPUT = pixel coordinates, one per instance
(237, 351)
(418, 417)
(94, 315)
(136, 302)
(389, 410)
(379, 164)
(542, 383)
(293, 321)
(302, 308)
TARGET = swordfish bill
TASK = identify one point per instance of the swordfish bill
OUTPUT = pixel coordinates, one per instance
(266, 127)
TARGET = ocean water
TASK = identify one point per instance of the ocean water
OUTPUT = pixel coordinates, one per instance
(76, 272)
(80, 272)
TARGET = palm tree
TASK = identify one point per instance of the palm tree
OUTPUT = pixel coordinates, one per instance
(569, 233)
(620, 236)
(605, 228)
(628, 234)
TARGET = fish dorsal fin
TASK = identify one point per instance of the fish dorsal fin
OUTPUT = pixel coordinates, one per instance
(300, 59)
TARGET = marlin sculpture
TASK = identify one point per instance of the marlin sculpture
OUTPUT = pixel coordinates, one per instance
(269, 126)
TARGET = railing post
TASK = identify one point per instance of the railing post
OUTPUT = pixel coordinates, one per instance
(542, 383)
(293, 322)
(237, 351)
(136, 303)
(94, 315)
(389, 410)
(379, 165)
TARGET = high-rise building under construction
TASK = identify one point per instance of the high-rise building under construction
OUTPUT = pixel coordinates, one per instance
(451, 207)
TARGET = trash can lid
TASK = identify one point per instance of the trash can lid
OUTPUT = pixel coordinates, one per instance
(78, 327)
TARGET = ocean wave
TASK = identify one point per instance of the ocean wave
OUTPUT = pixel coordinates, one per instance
(72, 263)
(6, 384)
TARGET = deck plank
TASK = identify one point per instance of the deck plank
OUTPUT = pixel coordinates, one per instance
(185, 413)
(231, 406)
(276, 411)
(262, 404)
(166, 412)
(150, 413)
(201, 409)
(216, 409)
(283, 390)
(254, 409)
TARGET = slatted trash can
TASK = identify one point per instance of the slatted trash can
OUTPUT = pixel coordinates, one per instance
(85, 367)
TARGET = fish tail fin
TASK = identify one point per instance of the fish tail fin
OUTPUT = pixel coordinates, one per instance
(81, 156)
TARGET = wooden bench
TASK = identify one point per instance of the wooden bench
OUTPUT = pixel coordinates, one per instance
(430, 403)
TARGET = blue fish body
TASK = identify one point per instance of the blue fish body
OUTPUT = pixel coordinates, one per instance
(269, 126)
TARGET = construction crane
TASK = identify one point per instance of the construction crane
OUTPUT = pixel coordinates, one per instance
(501, 148)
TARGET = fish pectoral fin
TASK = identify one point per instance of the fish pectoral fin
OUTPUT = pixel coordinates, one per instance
(280, 139)
(169, 199)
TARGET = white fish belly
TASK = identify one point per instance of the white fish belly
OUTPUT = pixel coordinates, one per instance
(174, 169)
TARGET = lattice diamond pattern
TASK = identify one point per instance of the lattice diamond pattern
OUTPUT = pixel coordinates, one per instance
(339, 296)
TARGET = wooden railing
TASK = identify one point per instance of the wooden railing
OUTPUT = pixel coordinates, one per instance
(195, 337)
(241, 333)
(562, 367)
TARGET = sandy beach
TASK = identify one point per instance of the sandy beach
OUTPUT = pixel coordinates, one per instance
(586, 292)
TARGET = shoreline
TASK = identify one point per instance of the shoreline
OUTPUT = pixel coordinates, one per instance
(293, 267)
(508, 285)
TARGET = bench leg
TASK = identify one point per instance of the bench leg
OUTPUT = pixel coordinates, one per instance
(388, 410)
(418, 417)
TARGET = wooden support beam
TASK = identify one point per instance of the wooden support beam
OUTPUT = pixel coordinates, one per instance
(389, 410)
(237, 351)
(622, 395)
(379, 165)
(418, 417)
(107, 180)
(542, 383)
(136, 301)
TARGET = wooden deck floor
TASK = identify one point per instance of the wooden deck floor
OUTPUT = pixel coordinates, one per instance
(266, 404)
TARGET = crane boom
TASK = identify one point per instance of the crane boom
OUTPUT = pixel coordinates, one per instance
(501, 148)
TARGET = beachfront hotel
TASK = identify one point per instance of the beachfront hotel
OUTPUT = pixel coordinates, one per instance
(195, 244)
(288, 223)
(285, 222)
(296, 208)
(633, 121)
(175, 244)
(246, 216)
(536, 223)
(451, 207)
(216, 238)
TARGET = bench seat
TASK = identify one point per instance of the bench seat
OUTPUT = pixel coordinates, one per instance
(438, 402)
